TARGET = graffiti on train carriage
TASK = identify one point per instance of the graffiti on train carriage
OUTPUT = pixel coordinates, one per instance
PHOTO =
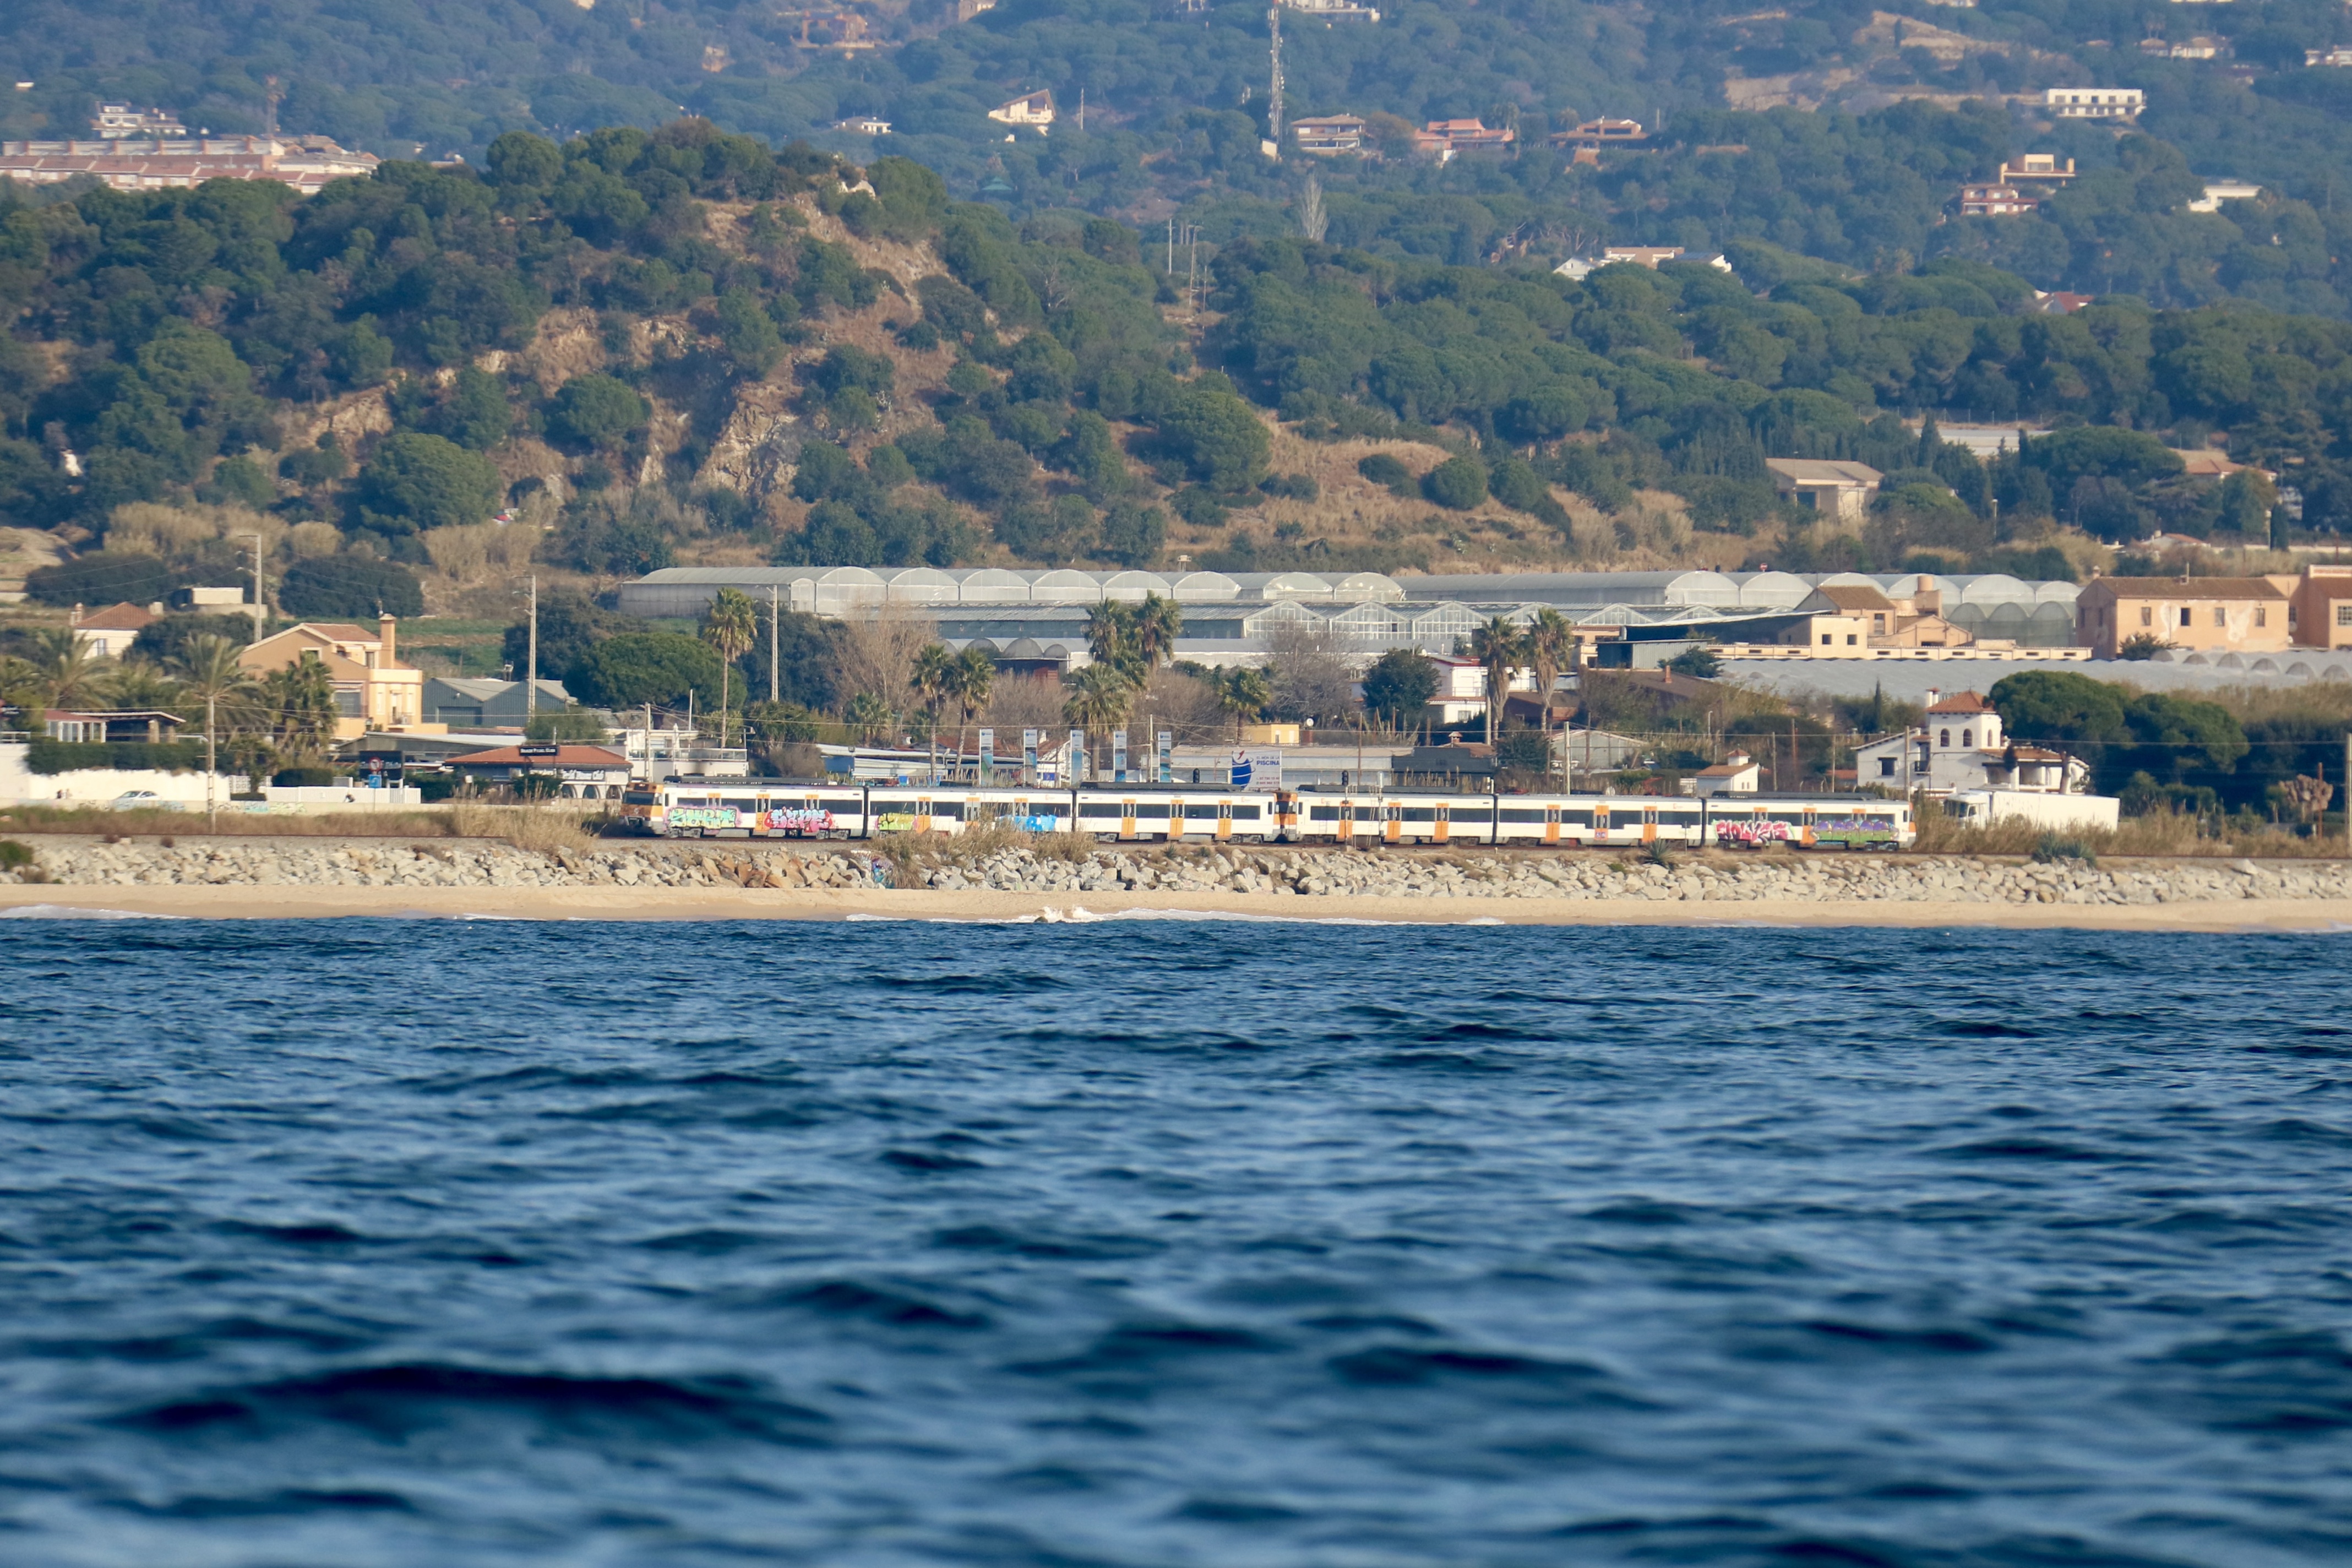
(1752, 833)
(1871, 831)
(703, 817)
(894, 822)
(800, 822)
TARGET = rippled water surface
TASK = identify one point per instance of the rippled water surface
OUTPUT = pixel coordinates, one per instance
(1180, 1243)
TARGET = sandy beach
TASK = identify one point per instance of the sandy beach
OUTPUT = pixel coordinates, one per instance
(591, 904)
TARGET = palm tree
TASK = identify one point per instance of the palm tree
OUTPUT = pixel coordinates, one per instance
(1550, 640)
(65, 670)
(1500, 648)
(209, 673)
(301, 703)
(1110, 632)
(929, 684)
(1157, 623)
(869, 715)
(1243, 693)
(1101, 697)
(731, 628)
(971, 680)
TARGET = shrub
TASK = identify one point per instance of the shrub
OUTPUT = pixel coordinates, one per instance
(595, 411)
(1290, 487)
(1385, 470)
(304, 778)
(2054, 848)
(416, 481)
(106, 578)
(14, 855)
(1458, 484)
(351, 586)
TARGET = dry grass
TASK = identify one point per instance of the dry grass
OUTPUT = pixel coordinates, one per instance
(542, 827)
(192, 824)
(2151, 836)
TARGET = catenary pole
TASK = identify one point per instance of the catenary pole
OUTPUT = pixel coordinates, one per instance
(258, 613)
(775, 639)
(530, 673)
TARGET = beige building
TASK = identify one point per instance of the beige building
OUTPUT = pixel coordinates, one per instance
(109, 633)
(2319, 605)
(372, 689)
(1837, 490)
(2203, 614)
(1842, 616)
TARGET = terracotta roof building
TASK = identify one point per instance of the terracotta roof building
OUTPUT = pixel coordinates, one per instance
(2205, 615)
(109, 633)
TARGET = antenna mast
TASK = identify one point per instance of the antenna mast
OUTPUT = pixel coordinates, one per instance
(1273, 118)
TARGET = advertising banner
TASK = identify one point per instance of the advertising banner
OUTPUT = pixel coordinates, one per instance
(1028, 756)
(1118, 756)
(988, 757)
(1078, 773)
(1165, 744)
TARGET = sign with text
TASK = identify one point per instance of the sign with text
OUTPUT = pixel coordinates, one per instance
(1165, 741)
(540, 751)
(1118, 756)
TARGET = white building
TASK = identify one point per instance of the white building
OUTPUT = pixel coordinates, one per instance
(2096, 102)
(1031, 109)
(1737, 773)
(1961, 747)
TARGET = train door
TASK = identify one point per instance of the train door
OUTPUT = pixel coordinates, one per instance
(1440, 831)
(1552, 823)
(1225, 821)
(923, 814)
(1650, 826)
(1126, 819)
(1805, 831)
(1344, 829)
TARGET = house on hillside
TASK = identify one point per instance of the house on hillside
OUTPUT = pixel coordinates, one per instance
(2095, 102)
(1838, 489)
(109, 633)
(1031, 109)
(2035, 166)
(372, 689)
(1328, 135)
(1997, 201)
(1737, 773)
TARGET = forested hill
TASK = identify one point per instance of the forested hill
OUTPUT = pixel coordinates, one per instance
(681, 346)
(1777, 123)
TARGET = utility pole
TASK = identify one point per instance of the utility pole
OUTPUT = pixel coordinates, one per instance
(530, 674)
(212, 761)
(258, 613)
(1274, 114)
(2347, 791)
(775, 640)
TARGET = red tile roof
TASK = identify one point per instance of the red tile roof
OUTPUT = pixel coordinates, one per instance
(1963, 702)
(123, 617)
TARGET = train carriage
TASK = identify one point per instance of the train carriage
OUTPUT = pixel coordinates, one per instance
(1163, 814)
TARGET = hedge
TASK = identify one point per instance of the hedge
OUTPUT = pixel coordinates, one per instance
(123, 756)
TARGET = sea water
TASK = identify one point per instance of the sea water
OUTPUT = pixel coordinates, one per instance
(1154, 1243)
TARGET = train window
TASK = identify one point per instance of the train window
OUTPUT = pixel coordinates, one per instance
(639, 797)
(1100, 808)
(1523, 814)
(742, 803)
(1576, 818)
(947, 810)
(1793, 818)
(1152, 809)
(1421, 814)
(1678, 818)
(881, 805)
(1197, 812)
(1248, 813)
(1322, 814)
(842, 804)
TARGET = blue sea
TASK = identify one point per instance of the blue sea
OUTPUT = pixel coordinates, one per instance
(1170, 1243)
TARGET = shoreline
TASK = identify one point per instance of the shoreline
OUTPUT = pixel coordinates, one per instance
(705, 904)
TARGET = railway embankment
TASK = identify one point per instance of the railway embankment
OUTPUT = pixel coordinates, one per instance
(1328, 876)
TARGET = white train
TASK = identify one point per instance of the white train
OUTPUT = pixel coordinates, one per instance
(761, 808)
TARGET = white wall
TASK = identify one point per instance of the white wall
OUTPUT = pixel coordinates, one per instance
(1988, 805)
(85, 786)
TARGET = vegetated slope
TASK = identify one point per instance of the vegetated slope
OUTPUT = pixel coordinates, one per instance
(681, 346)
(1177, 104)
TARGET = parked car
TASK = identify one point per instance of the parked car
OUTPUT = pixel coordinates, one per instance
(142, 800)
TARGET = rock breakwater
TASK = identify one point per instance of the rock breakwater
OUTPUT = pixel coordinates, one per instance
(1775, 877)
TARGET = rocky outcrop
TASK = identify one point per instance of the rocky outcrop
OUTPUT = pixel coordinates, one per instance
(1327, 875)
